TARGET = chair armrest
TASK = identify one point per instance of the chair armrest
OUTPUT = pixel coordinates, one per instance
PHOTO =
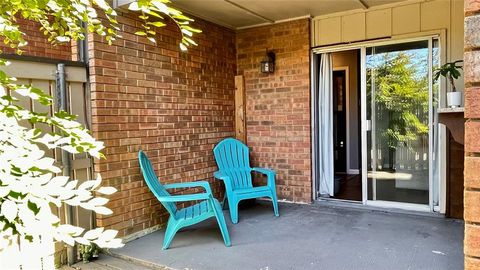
(263, 170)
(225, 178)
(203, 184)
(269, 173)
(184, 198)
(220, 175)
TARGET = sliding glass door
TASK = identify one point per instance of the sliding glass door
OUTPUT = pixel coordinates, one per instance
(399, 123)
(400, 127)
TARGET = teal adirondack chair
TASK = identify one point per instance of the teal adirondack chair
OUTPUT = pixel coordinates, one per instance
(179, 218)
(235, 171)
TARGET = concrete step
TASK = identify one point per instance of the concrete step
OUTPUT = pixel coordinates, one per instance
(107, 262)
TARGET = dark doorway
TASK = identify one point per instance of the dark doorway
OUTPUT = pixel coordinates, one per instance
(339, 121)
(346, 125)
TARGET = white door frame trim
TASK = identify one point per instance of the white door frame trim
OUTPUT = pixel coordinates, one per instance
(441, 35)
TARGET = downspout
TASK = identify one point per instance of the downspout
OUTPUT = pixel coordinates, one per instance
(83, 58)
(61, 92)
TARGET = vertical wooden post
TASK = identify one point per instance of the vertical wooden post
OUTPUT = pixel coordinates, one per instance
(240, 121)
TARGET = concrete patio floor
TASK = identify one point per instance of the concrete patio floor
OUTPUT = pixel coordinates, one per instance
(318, 236)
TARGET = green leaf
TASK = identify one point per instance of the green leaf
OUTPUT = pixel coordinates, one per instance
(155, 14)
(157, 24)
(140, 33)
(182, 17)
(183, 47)
(189, 40)
(191, 29)
(16, 195)
(32, 206)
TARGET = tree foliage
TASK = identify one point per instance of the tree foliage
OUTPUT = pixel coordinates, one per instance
(63, 20)
(401, 97)
(30, 182)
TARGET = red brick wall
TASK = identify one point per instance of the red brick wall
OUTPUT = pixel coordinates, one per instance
(38, 44)
(173, 105)
(278, 104)
(472, 135)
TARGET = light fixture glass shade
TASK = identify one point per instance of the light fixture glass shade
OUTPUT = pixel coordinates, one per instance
(267, 65)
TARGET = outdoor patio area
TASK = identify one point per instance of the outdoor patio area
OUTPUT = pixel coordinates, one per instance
(318, 236)
(341, 134)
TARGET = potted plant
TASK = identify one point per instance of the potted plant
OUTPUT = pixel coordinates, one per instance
(89, 252)
(451, 71)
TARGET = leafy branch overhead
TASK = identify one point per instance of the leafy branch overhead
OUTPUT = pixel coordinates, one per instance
(66, 20)
(152, 12)
(31, 183)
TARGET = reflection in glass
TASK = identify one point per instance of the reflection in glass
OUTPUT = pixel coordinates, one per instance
(398, 107)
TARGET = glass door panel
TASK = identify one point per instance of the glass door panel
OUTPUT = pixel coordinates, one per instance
(398, 112)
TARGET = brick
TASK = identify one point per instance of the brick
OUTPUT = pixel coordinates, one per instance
(472, 136)
(472, 263)
(471, 6)
(472, 106)
(472, 240)
(274, 113)
(472, 36)
(471, 66)
(471, 203)
(471, 175)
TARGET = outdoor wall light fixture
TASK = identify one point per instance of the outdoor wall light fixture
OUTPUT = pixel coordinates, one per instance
(268, 63)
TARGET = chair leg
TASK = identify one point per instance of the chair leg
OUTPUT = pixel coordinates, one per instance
(172, 228)
(274, 202)
(222, 224)
(233, 205)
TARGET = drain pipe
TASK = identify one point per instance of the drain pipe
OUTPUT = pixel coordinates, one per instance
(61, 92)
(62, 105)
(82, 56)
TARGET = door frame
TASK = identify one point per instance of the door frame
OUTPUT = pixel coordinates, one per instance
(362, 46)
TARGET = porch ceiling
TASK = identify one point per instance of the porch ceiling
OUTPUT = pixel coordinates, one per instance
(237, 14)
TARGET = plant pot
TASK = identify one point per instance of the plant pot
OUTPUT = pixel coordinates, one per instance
(454, 99)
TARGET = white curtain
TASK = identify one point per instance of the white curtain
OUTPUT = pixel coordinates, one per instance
(325, 132)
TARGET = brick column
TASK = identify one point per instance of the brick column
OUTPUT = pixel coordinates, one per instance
(278, 104)
(472, 134)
